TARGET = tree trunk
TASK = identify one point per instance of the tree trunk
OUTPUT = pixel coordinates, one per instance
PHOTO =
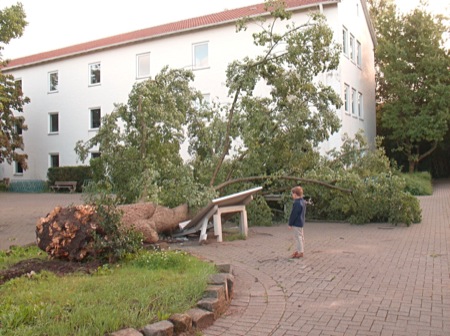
(151, 219)
(68, 233)
(412, 166)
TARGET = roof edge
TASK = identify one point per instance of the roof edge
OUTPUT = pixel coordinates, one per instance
(369, 22)
(84, 48)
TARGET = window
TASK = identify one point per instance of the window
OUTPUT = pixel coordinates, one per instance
(204, 102)
(96, 117)
(353, 102)
(94, 73)
(207, 98)
(143, 65)
(54, 123)
(18, 83)
(352, 47)
(347, 98)
(53, 81)
(18, 129)
(200, 55)
(345, 41)
(54, 160)
(95, 155)
(18, 169)
(358, 53)
(360, 105)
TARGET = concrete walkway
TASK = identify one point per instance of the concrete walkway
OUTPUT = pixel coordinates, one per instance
(354, 280)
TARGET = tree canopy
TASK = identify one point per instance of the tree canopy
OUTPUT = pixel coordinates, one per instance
(413, 82)
(270, 139)
(12, 25)
(140, 141)
(252, 135)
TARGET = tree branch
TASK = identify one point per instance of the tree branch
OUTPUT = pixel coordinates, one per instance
(226, 145)
(233, 166)
(265, 59)
(289, 178)
(428, 152)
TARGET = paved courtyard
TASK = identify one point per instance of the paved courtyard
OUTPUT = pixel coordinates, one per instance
(354, 280)
(373, 279)
(20, 212)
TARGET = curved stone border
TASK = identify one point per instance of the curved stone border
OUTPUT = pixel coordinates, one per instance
(215, 302)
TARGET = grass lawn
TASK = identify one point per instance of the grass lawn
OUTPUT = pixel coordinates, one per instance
(145, 288)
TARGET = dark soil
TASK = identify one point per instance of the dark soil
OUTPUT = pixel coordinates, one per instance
(59, 267)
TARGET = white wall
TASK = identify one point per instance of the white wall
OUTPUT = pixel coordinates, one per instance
(118, 74)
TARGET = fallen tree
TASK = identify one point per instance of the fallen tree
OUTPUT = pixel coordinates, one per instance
(69, 233)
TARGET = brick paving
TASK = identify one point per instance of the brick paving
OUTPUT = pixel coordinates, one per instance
(366, 280)
(374, 279)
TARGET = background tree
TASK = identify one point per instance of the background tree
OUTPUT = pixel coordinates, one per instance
(413, 82)
(12, 25)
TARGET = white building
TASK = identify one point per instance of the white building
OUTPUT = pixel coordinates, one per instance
(71, 88)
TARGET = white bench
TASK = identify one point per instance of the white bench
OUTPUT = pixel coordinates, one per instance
(69, 185)
(234, 203)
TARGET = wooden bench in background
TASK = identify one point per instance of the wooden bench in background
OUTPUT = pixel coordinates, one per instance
(69, 185)
(6, 182)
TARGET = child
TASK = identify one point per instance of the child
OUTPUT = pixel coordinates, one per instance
(297, 220)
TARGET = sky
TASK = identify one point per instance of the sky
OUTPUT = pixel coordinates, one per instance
(54, 24)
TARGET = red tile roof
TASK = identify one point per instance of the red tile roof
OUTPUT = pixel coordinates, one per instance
(153, 32)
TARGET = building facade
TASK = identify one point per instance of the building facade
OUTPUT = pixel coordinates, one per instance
(72, 88)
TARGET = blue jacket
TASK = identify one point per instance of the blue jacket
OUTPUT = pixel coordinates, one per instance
(297, 217)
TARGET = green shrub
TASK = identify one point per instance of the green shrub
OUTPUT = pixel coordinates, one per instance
(418, 184)
(378, 192)
(382, 198)
(259, 213)
(114, 241)
(75, 173)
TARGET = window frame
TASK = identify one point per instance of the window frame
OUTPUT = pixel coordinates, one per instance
(360, 105)
(50, 122)
(354, 100)
(52, 88)
(352, 53)
(358, 54)
(91, 119)
(345, 41)
(139, 74)
(92, 74)
(51, 157)
(199, 66)
(347, 98)
(206, 100)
